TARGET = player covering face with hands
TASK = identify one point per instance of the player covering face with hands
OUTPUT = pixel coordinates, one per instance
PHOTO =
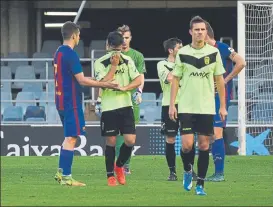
(116, 105)
(139, 62)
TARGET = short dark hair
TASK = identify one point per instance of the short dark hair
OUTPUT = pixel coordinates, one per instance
(68, 29)
(124, 28)
(196, 19)
(210, 30)
(114, 39)
(171, 43)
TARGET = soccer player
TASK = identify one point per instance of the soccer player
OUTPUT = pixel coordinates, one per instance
(139, 62)
(196, 67)
(69, 79)
(229, 56)
(138, 59)
(117, 112)
(168, 127)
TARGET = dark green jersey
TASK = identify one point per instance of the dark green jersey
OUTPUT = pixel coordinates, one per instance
(138, 59)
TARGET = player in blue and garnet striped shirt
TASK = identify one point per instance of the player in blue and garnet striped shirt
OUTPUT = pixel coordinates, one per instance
(229, 56)
(69, 79)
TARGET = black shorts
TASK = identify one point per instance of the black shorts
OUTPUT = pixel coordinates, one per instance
(168, 126)
(118, 121)
(196, 123)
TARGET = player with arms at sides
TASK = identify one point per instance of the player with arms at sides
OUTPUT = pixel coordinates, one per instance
(196, 67)
(169, 128)
(117, 109)
(139, 62)
(69, 79)
(228, 56)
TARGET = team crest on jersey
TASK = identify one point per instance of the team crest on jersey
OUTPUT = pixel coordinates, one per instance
(207, 60)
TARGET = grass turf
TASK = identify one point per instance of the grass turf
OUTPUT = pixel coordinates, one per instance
(28, 181)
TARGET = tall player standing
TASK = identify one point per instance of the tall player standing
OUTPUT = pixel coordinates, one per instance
(228, 56)
(169, 128)
(69, 79)
(196, 67)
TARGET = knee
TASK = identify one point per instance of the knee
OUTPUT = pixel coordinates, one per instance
(130, 140)
(170, 140)
(203, 146)
(218, 133)
(111, 141)
(70, 140)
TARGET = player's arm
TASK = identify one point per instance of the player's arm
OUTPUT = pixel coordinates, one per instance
(239, 64)
(85, 81)
(163, 73)
(134, 76)
(177, 74)
(219, 79)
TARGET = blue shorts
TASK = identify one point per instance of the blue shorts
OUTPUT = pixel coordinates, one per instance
(73, 122)
(217, 119)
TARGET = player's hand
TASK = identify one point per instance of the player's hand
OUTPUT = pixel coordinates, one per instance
(137, 96)
(223, 113)
(173, 113)
(115, 59)
(98, 107)
(110, 85)
(123, 88)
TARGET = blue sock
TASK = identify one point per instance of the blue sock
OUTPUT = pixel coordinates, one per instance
(65, 161)
(218, 152)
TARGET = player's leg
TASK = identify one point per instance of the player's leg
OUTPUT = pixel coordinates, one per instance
(169, 128)
(128, 129)
(187, 140)
(136, 110)
(204, 129)
(109, 130)
(74, 126)
(218, 145)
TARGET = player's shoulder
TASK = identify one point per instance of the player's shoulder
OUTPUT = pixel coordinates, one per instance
(224, 46)
(105, 60)
(211, 48)
(184, 49)
(137, 53)
(126, 58)
(162, 62)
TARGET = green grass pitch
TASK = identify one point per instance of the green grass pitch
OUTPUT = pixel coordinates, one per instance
(28, 181)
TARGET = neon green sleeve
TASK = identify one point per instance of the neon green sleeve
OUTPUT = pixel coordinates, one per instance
(178, 68)
(100, 70)
(162, 71)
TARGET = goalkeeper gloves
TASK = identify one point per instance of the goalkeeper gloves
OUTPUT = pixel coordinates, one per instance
(98, 107)
(137, 99)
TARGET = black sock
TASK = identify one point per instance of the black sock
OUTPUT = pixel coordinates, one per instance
(170, 156)
(202, 164)
(109, 160)
(187, 160)
(124, 154)
(192, 154)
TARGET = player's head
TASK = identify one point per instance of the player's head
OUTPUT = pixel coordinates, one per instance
(198, 29)
(71, 32)
(127, 35)
(114, 41)
(172, 45)
(210, 33)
